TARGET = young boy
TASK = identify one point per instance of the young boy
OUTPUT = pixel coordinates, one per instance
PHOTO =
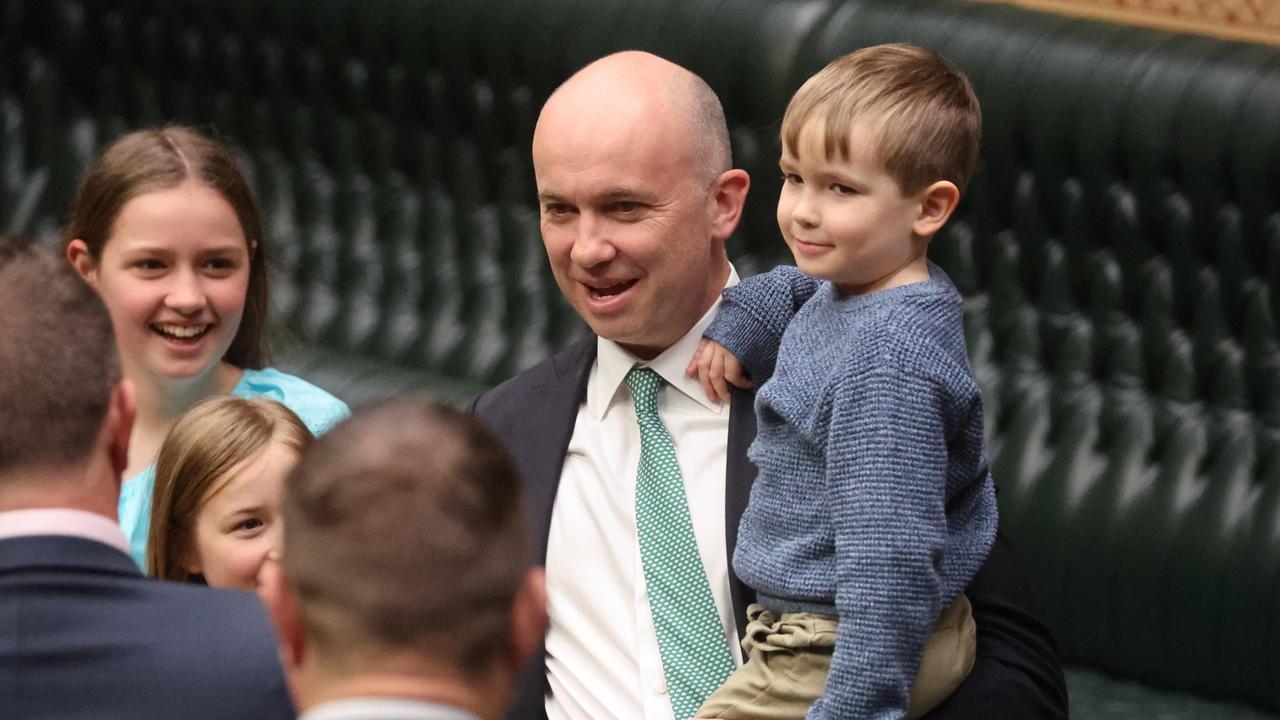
(873, 508)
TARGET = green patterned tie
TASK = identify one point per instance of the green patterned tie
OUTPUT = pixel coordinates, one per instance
(695, 657)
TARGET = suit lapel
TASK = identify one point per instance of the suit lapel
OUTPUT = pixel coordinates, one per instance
(538, 433)
(550, 432)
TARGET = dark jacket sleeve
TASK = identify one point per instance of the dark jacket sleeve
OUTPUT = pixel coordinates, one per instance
(1017, 673)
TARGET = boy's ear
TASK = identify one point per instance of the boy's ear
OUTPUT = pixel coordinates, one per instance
(937, 202)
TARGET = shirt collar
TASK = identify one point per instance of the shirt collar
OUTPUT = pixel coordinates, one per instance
(63, 521)
(613, 363)
(384, 708)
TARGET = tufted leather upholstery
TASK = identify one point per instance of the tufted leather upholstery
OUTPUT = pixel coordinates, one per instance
(1119, 249)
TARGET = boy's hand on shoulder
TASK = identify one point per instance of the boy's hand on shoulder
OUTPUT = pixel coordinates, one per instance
(716, 368)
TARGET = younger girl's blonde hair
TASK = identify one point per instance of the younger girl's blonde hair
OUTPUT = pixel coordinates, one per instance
(195, 461)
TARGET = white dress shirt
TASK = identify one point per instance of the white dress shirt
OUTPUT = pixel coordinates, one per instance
(602, 651)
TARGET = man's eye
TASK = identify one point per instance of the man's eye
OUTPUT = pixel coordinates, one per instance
(792, 178)
(839, 189)
(149, 264)
(557, 209)
(625, 207)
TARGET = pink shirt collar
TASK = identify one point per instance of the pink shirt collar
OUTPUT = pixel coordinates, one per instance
(63, 521)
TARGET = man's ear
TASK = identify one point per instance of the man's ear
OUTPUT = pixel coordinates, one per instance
(282, 607)
(118, 425)
(529, 616)
(937, 202)
(730, 194)
(80, 259)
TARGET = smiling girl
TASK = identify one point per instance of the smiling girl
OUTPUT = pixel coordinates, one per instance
(215, 516)
(165, 228)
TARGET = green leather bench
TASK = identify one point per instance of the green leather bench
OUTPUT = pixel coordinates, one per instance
(1119, 251)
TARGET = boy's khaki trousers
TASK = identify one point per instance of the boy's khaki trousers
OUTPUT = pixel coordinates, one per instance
(788, 657)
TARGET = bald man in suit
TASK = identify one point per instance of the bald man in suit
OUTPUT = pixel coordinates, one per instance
(637, 196)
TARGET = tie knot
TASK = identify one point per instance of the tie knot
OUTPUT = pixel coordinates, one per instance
(643, 383)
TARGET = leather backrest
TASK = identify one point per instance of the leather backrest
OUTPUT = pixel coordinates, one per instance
(1119, 248)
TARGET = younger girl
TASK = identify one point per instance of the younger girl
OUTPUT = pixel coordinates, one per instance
(165, 228)
(215, 516)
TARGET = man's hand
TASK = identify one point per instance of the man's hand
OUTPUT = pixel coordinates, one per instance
(717, 368)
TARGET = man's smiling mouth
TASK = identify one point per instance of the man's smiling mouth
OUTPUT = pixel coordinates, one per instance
(604, 291)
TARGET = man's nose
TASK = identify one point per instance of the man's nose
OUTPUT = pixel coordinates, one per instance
(592, 246)
(186, 292)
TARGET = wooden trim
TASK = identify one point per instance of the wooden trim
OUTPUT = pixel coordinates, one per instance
(1250, 20)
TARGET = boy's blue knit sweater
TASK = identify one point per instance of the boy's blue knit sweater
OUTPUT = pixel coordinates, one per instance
(873, 500)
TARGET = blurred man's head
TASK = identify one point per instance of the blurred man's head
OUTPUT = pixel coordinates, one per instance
(66, 413)
(406, 556)
(631, 157)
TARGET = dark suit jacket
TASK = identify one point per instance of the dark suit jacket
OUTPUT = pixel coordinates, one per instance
(1017, 673)
(83, 634)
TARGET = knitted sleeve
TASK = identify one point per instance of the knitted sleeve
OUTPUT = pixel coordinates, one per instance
(754, 314)
(886, 470)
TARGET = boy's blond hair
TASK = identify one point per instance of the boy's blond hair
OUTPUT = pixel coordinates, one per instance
(923, 113)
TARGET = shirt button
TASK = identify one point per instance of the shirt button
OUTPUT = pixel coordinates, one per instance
(661, 687)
